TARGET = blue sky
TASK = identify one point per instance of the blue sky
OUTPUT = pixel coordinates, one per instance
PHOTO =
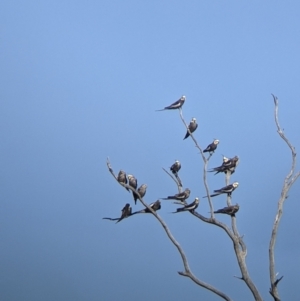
(81, 81)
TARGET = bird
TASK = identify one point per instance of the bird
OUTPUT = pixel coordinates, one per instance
(122, 178)
(191, 128)
(227, 165)
(182, 196)
(141, 190)
(132, 183)
(230, 210)
(176, 105)
(227, 189)
(155, 206)
(212, 147)
(190, 207)
(126, 211)
(175, 167)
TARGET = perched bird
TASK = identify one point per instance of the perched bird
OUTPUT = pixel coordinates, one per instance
(175, 167)
(122, 178)
(192, 127)
(176, 105)
(154, 206)
(230, 210)
(234, 163)
(227, 189)
(182, 196)
(132, 181)
(212, 147)
(141, 190)
(191, 207)
(126, 211)
(227, 165)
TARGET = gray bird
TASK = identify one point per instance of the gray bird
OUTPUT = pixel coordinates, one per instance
(230, 210)
(132, 181)
(122, 178)
(227, 165)
(227, 189)
(192, 127)
(126, 211)
(176, 105)
(182, 196)
(154, 206)
(212, 147)
(175, 167)
(141, 190)
(191, 207)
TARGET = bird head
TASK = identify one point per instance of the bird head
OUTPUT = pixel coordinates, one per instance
(225, 159)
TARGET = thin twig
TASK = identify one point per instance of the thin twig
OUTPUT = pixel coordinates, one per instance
(178, 182)
(205, 165)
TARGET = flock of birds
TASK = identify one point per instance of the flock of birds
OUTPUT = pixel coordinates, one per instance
(228, 165)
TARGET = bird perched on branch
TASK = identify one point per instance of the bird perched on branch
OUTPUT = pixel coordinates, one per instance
(182, 196)
(132, 181)
(126, 211)
(176, 105)
(212, 147)
(141, 190)
(154, 206)
(192, 128)
(190, 207)
(175, 167)
(227, 165)
(122, 178)
(227, 189)
(230, 210)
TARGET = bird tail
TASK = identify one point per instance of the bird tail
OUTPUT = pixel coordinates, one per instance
(111, 219)
(179, 209)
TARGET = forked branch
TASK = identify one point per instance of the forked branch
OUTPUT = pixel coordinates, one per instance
(289, 180)
(238, 243)
(187, 270)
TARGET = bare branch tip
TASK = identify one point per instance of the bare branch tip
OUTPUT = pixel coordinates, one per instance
(240, 278)
(278, 280)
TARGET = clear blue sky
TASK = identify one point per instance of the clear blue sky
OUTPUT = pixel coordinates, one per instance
(80, 81)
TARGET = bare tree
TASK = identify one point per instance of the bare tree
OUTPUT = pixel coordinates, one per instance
(239, 246)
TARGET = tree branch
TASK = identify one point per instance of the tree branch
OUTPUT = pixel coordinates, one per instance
(238, 243)
(187, 270)
(288, 182)
(205, 165)
(176, 180)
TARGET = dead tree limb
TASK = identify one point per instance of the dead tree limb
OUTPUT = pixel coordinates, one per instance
(289, 180)
(238, 243)
(187, 270)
